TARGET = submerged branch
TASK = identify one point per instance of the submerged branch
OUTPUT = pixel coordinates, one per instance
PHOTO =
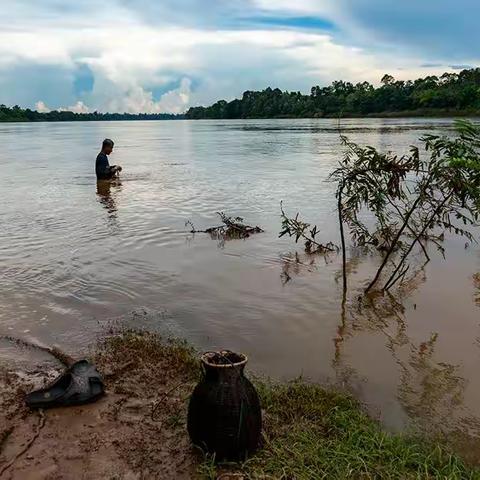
(231, 228)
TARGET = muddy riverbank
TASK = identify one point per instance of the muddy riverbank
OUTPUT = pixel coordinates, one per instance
(137, 430)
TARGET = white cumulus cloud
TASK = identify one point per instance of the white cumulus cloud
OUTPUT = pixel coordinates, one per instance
(41, 107)
(79, 107)
(171, 58)
(136, 99)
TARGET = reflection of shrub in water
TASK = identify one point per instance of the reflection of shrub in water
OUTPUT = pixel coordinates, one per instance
(428, 390)
(292, 265)
(431, 392)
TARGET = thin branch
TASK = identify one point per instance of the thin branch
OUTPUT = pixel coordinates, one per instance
(422, 232)
(400, 276)
(342, 237)
(329, 247)
(409, 227)
(394, 243)
(164, 396)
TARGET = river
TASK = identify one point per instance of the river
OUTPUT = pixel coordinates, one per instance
(77, 257)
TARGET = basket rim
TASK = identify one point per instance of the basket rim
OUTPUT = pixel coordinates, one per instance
(205, 359)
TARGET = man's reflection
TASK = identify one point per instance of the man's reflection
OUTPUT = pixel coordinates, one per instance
(104, 195)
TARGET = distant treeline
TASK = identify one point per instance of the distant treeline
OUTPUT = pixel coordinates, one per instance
(449, 94)
(17, 114)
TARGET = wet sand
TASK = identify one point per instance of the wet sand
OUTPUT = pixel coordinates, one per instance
(135, 431)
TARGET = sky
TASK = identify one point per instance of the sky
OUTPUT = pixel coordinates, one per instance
(167, 55)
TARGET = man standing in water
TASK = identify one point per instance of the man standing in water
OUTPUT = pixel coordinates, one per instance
(102, 168)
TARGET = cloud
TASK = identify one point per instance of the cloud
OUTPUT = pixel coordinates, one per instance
(443, 29)
(41, 107)
(176, 100)
(24, 83)
(461, 67)
(439, 30)
(136, 99)
(148, 56)
(79, 107)
(297, 6)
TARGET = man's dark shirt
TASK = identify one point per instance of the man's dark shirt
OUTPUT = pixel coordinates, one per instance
(102, 167)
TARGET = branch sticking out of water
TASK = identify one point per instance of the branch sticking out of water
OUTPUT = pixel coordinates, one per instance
(295, 227)
(231, 228)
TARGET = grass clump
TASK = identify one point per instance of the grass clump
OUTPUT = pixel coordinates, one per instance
(309, 433)
(160, 358)
(312, 433)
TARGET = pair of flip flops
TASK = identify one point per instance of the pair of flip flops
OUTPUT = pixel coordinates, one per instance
(81, 383)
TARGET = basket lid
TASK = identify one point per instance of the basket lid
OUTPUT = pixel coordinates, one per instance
(224, 359)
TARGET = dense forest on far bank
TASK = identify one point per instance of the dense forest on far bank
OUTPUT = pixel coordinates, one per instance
(17, 114)
(449, 94)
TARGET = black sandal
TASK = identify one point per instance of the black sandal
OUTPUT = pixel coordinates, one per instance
(81, 383)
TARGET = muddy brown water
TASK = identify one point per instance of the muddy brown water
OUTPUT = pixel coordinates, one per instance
(76, 257)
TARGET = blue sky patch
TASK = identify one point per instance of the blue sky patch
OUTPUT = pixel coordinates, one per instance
(304, 22)
(159, 90)
(84, 80)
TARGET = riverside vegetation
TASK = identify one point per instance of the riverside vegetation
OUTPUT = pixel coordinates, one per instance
(17, 114)
(413, 199)
(449, 94)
